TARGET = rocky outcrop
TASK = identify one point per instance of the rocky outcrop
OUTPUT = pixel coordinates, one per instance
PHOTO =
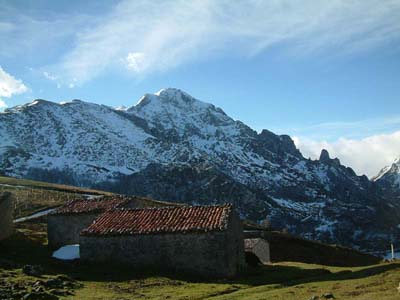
(324, 156)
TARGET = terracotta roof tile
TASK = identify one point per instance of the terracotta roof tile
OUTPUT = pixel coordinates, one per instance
(82, 206)
(160, 220)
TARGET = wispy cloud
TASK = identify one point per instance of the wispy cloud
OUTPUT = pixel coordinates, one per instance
(366, 156)
(3, 105)
(41, 34)
(141, 37)
(153, 36)
(9, 86)
(351, 130)
(49, 76)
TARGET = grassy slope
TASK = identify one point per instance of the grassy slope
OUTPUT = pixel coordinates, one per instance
(32, 196)
(280, 281)
(49, 186)
(284, 280)
(287, 247)
(282, 249)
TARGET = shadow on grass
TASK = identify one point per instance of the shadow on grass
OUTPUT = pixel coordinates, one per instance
(28, 246)
(24, 249)
(293, 275)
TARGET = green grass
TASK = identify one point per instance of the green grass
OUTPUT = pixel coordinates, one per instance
(284, 280)
(49, 186)
(32, 196)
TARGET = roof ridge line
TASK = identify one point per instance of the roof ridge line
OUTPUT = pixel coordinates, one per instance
(225, 205)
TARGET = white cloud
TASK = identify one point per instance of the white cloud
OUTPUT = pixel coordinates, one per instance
(351, 129)
(10, 86)
(3, 105)
(366, 156)
(49, 76)
(148, 36)
(136, 61)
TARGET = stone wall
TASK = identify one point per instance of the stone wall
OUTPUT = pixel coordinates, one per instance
(65, 229)
(235, 247)
(6, 215)
(264, 252)
(215, 254)
(261, 250)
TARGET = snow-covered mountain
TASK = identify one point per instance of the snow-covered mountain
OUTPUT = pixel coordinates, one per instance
(172, 146)
(388, 179)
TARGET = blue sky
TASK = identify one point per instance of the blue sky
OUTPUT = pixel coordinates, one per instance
(327, 73)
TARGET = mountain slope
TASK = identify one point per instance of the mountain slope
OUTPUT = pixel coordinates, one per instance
(171, 146)
(388, 179)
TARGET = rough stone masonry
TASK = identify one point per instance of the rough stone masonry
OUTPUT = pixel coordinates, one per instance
(204, 240)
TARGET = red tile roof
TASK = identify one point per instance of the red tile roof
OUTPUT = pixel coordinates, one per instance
(97, 205)
(161, 220)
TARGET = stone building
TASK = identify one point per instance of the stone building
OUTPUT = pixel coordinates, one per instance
(6, 215)
(205, 240)
(257, 250)
(65, 223)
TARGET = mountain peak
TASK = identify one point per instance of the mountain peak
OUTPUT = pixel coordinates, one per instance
(171, 93)
(395, 168)
(167, 95)
(388, 171)
(170, 98)
(179, 98)
(389, 180)
(36, 102)
(324, 156)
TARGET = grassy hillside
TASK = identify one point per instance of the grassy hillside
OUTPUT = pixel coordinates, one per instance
(32, 196)
(26, 183)
(283, 280)
(282, 249)
(286, 247)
